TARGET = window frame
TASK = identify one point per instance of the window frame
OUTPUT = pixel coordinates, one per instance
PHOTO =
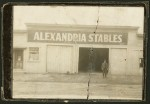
(141, 62)
(38, 54)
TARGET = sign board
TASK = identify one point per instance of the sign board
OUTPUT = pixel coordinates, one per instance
(113, 38)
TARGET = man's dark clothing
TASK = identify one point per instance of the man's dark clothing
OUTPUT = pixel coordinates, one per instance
(104, 68)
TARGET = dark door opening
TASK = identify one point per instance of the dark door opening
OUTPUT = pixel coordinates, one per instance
(18, 59)
(91, 59)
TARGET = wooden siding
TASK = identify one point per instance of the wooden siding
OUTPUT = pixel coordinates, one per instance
(59, 59)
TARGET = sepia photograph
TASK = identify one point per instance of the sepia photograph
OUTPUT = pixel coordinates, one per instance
(78, 52)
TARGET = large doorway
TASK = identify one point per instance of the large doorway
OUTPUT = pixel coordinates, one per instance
(59, 59)
(91, 59)
(118, 61)
(18, 59)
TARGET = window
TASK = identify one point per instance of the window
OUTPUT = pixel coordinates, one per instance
(33, 53)
(141, 62)
(141, 59)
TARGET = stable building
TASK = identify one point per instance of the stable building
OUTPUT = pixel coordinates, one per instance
(44, 48)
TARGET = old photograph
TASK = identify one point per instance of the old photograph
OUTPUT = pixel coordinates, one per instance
(78, 52)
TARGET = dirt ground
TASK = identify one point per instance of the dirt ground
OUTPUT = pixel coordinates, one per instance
(77, 78)
(76, 86)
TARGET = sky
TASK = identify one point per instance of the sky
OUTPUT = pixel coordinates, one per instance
(78, 15)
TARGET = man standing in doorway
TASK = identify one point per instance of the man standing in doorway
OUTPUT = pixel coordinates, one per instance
(104, 68)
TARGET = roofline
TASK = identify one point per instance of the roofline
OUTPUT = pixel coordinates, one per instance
(19, 31)
(25, 31)
(140, 35)
(34, 25)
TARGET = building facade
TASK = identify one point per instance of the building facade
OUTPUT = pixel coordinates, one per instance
(44, 48)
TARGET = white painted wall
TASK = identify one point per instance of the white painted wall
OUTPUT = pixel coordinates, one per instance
(132, 54)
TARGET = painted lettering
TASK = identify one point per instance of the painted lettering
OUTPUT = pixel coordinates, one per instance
(36, 36)
(91, 37)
